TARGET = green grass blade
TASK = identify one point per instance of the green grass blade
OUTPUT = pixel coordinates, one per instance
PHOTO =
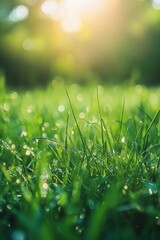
(79, 130)
(121, 121)
(152, 122)
(101, 123)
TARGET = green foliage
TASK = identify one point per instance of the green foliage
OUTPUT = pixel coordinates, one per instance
(80, 166)
(120, 44)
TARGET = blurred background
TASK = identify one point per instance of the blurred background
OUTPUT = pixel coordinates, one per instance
(110, 41)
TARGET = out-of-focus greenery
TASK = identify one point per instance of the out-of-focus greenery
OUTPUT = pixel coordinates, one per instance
(119, 43)
(88, 169)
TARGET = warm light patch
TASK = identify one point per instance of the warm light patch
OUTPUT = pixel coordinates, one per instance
(71, 13)
(71, 23)
(49, 7)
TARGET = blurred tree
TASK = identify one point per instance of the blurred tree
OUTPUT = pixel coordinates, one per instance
(120, 44)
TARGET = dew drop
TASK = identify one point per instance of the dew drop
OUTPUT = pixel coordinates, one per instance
(13, 146)
(45, 185)
(23, 134)
(28, 152)
(9, 207)
(18, 181)
(150, 191)
(6, 107)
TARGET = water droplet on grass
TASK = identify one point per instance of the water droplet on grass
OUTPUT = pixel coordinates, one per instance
(123, 139)
(150, 191)
(30, 109)
(18, 181)
(6, 107)
(19, 195)
(36, 141)
(157, 220)
(23, 134)
(9, 207)
(56, 136)
(13, 146)
(44, 135)
(28, 152)
(125, 187)
(45, 186)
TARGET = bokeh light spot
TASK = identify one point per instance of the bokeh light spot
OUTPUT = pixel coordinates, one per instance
(28, 45)
(61, 108)
(82, 115)
(71, 13)
(49, 7)
(18, 181)
(18, 13)
(156, 4)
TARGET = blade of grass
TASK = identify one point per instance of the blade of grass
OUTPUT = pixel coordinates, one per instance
(151, 124)
(121, 121)
(99, 216)
(79, 130)
(66, 137)
(101, 123)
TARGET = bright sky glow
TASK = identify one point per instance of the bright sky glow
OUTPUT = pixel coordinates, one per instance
(156, 4)
(71, 13)
(49, 7)
(18, 13)
(71, 23)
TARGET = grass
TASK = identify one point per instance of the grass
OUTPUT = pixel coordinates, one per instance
(81, 163)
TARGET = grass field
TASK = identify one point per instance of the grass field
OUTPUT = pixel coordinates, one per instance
(80, 163)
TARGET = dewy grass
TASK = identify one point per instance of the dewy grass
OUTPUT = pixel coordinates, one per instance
(81, 165)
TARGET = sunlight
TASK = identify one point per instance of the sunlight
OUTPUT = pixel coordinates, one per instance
(71, 23)
(49, 7)
(71, 13)
(156, 4)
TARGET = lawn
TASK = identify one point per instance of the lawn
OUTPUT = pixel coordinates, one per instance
(80, 162)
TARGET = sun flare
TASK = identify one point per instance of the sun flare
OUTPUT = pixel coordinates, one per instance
(72, 13)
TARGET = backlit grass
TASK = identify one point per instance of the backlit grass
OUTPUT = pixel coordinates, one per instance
(80, 163)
